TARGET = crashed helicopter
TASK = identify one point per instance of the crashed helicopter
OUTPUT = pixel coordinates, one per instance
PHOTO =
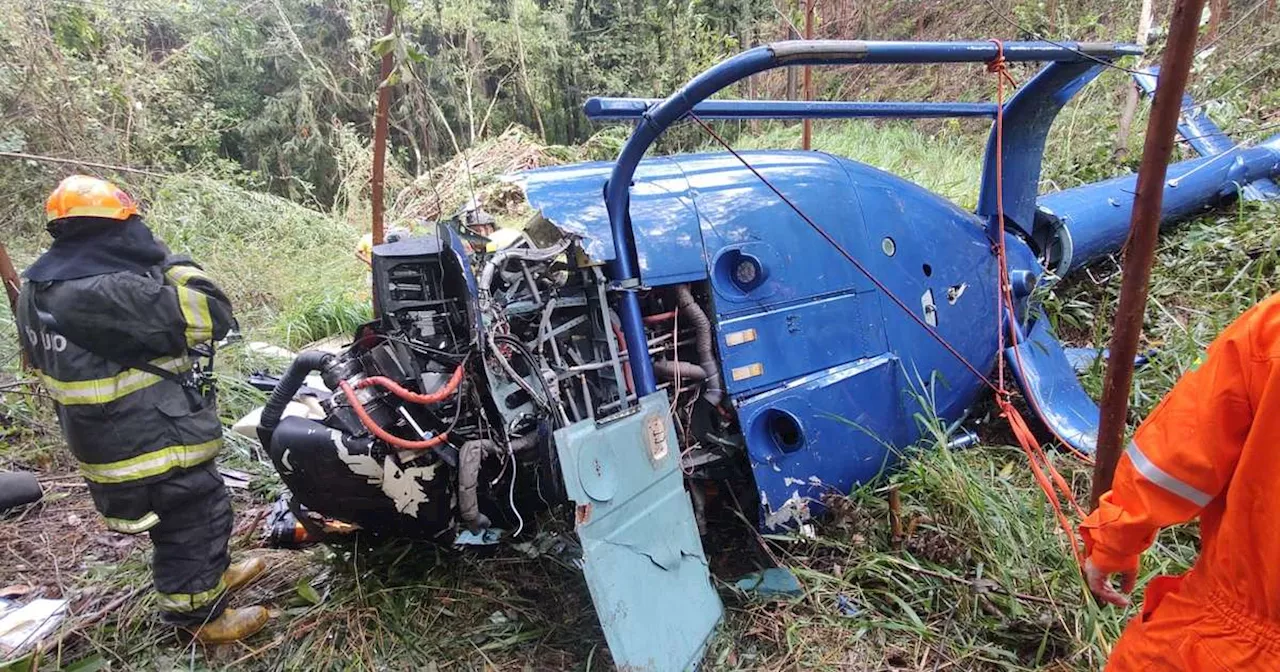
(672, 322)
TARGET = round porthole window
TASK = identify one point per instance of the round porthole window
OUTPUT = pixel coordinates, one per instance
(785, 431)
(889, 247)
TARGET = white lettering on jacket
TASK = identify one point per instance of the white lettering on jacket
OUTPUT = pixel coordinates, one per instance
(48, 340)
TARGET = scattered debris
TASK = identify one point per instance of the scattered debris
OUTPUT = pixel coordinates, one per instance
(846, 607)
(1083, 359)
(269, 350)
(771, 583)
(291, 527)
(27, 626)
(235, 479)
(486, 537)
(14, 591)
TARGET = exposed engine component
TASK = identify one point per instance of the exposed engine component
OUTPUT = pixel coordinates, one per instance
(443, 408)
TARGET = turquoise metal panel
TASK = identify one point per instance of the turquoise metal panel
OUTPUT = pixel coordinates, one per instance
(642, 556)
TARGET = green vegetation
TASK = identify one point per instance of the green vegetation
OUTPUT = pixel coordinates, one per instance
(253, 121)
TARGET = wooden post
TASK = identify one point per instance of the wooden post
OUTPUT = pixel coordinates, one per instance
(808, 81)
(1144, 227)
(9, 276)
(1132, 95)
(1217, 12)
(380, 133)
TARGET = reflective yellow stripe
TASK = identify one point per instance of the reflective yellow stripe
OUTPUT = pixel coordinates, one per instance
(153, 463)
(103, 390)
(195, 305)
(180, 275)
(189, 602)
(132, 526)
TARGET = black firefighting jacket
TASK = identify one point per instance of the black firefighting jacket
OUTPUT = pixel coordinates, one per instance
(100, 344)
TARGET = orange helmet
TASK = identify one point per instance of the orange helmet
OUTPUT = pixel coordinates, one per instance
(84, 196)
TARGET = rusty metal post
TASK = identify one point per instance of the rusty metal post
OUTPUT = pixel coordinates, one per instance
(808, 81)
(380, 133)
(1144, 226)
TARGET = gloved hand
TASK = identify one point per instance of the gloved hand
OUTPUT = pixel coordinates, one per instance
(1100, 584)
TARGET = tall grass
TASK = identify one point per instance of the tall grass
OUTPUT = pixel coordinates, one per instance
(287, 269)
(947, 160)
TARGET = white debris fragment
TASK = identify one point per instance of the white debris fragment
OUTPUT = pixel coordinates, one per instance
(27, 626)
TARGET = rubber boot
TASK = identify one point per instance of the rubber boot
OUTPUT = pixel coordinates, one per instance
(233, 625)
(241, 573)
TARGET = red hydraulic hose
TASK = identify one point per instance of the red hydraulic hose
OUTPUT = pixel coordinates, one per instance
(382, 433)
(433, 398)
(622, 350)
(660, 317)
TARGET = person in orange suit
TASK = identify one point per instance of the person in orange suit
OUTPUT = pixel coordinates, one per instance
(1210, 449)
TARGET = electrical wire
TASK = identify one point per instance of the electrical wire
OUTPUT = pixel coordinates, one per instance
(1259, 129)
(534, 369)
(511, 491)
(1000, 13)
(421, 348)
(1230, 29)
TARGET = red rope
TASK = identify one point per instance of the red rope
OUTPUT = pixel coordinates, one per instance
(1053, 485)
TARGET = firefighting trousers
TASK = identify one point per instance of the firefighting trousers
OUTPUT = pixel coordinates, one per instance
(189, 539)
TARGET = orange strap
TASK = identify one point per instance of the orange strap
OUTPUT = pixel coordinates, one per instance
(1051, 482)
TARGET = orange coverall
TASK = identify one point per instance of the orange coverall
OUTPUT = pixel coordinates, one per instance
(1211, 448)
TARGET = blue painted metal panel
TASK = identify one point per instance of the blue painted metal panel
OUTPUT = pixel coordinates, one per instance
(1027, 118)
(1092, 221)
(642, 556)
(665, 221)
(824, 434)
(623, 109)
(1198, 129)
(942, 266)
(787, 343)
(1049, 381)
(740, 216)
(1064, 78)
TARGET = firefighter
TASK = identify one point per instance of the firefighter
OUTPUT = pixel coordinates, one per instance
(113, 325)
(1210, 449)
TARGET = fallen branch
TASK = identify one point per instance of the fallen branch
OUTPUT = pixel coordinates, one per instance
(976, 584)
(78, 162)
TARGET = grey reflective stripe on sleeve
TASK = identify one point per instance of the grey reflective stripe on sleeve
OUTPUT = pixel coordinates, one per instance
(1160, 477)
